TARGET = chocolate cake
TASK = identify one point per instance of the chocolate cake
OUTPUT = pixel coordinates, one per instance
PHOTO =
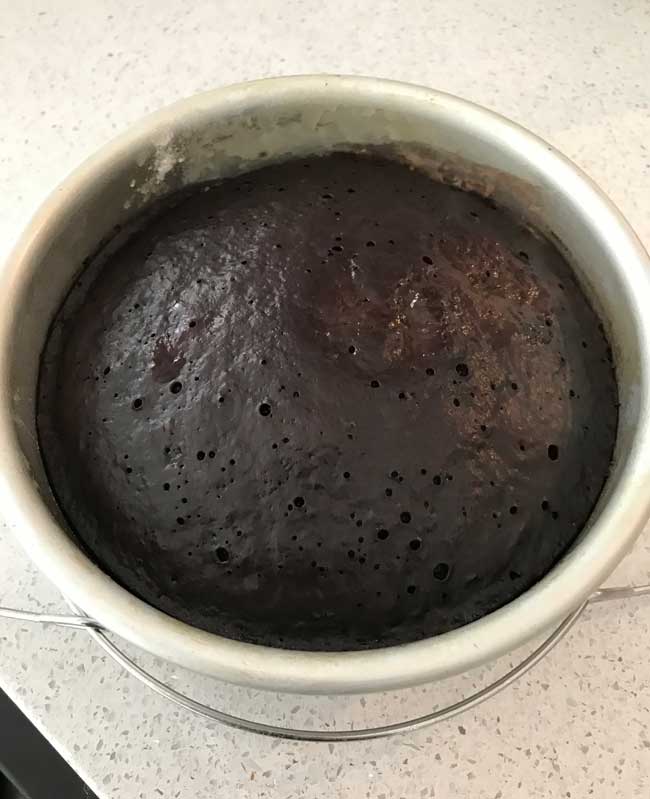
(330, 404)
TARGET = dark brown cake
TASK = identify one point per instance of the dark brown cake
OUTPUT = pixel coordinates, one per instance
(330, 404)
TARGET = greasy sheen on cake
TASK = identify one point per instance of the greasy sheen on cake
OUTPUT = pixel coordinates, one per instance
(330, 404)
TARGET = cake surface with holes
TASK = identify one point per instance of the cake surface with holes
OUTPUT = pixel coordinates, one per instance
(331, 404)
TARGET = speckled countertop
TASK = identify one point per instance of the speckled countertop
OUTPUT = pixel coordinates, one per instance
(75, 74)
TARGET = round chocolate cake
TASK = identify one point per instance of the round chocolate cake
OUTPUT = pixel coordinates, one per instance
(331, 404)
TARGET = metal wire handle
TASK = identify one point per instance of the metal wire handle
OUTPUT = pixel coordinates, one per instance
(97, 632)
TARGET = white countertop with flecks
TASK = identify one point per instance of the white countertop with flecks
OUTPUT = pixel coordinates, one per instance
(74, 74)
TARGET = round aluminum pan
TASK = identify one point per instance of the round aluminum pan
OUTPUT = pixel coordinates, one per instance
(233, 130)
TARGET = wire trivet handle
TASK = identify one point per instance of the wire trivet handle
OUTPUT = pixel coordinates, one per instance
(96, 631)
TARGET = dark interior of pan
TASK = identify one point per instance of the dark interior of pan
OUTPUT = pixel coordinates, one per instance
(331, 404)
